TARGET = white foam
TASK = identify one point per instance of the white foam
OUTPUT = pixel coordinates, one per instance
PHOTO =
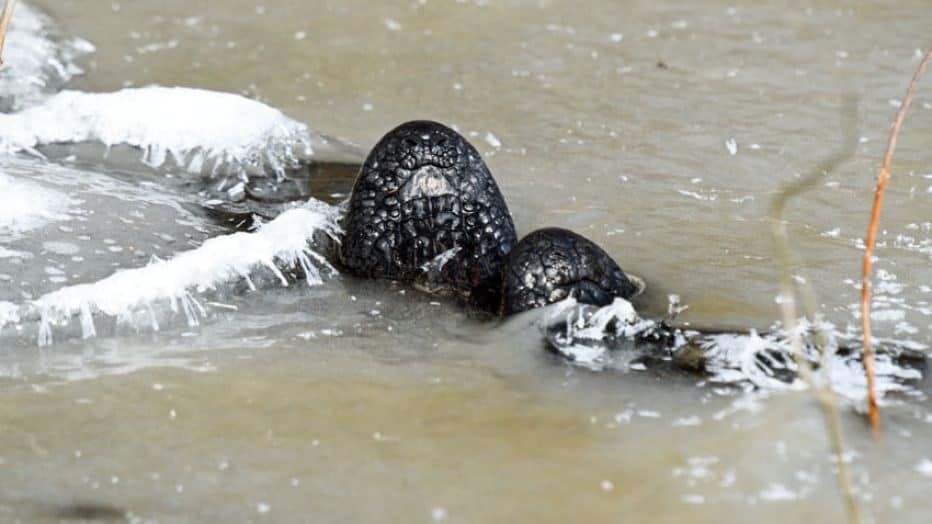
(37, 59)
(200, 131)
(282, 242)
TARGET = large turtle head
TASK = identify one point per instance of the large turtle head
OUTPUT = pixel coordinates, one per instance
(427, 158)
(424, 203)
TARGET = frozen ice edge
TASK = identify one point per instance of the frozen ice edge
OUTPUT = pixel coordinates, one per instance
(587, 336)
(283, 242)
(199, 131)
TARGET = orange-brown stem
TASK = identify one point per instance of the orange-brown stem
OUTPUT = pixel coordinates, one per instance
(4, 23)
(882, 178)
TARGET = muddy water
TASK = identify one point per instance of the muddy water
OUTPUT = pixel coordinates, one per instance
(659, 130)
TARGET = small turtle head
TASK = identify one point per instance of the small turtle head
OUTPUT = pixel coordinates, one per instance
(552, 264)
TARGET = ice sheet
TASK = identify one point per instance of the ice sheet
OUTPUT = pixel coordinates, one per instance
(198, 130)
(283, 244)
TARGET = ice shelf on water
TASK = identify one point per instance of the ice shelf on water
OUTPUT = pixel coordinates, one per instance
(38, 60)
(614, 336)
(64, 223)
(283, 244)
(27, 206)
(199, 131)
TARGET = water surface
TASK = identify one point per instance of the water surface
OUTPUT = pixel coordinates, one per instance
(659, 130)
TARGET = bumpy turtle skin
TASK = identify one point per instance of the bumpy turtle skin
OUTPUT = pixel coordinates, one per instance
(422, 191)
(550, 264)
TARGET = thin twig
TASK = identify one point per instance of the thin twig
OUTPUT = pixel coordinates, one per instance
(4, 23)
(822, 392)
(882, 178)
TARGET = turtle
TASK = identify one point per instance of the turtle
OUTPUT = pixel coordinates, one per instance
(425, 208)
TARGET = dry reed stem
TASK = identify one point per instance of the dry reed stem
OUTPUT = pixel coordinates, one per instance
(867, 356)
(4, 23)
(822, 392)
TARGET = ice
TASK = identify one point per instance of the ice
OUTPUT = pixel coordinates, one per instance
(579, 332)
(37, 59)
(615, 337)
(27, 206)
(778, 492)
(199, 131)
(9, 313)
(437, 263)
(924, 467)
(284, 242)
(732, 146)
(10, 253)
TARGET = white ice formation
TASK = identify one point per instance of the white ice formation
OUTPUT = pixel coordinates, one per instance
(199, 131)
(26, 206)
(38, 60)
(283, 243)
(613, 336)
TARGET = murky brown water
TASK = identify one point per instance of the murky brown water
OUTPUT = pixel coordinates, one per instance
(613, 120)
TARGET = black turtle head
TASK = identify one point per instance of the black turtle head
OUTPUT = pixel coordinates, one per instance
(552, 264)
(424, 202)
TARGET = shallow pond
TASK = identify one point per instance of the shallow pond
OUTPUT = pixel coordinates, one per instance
(662, 131)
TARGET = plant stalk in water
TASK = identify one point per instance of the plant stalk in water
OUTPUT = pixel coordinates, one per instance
(4, 23)
(882, 178)
(788, 261)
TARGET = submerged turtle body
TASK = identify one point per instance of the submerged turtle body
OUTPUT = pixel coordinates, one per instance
(551, 264)
(424, 198)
